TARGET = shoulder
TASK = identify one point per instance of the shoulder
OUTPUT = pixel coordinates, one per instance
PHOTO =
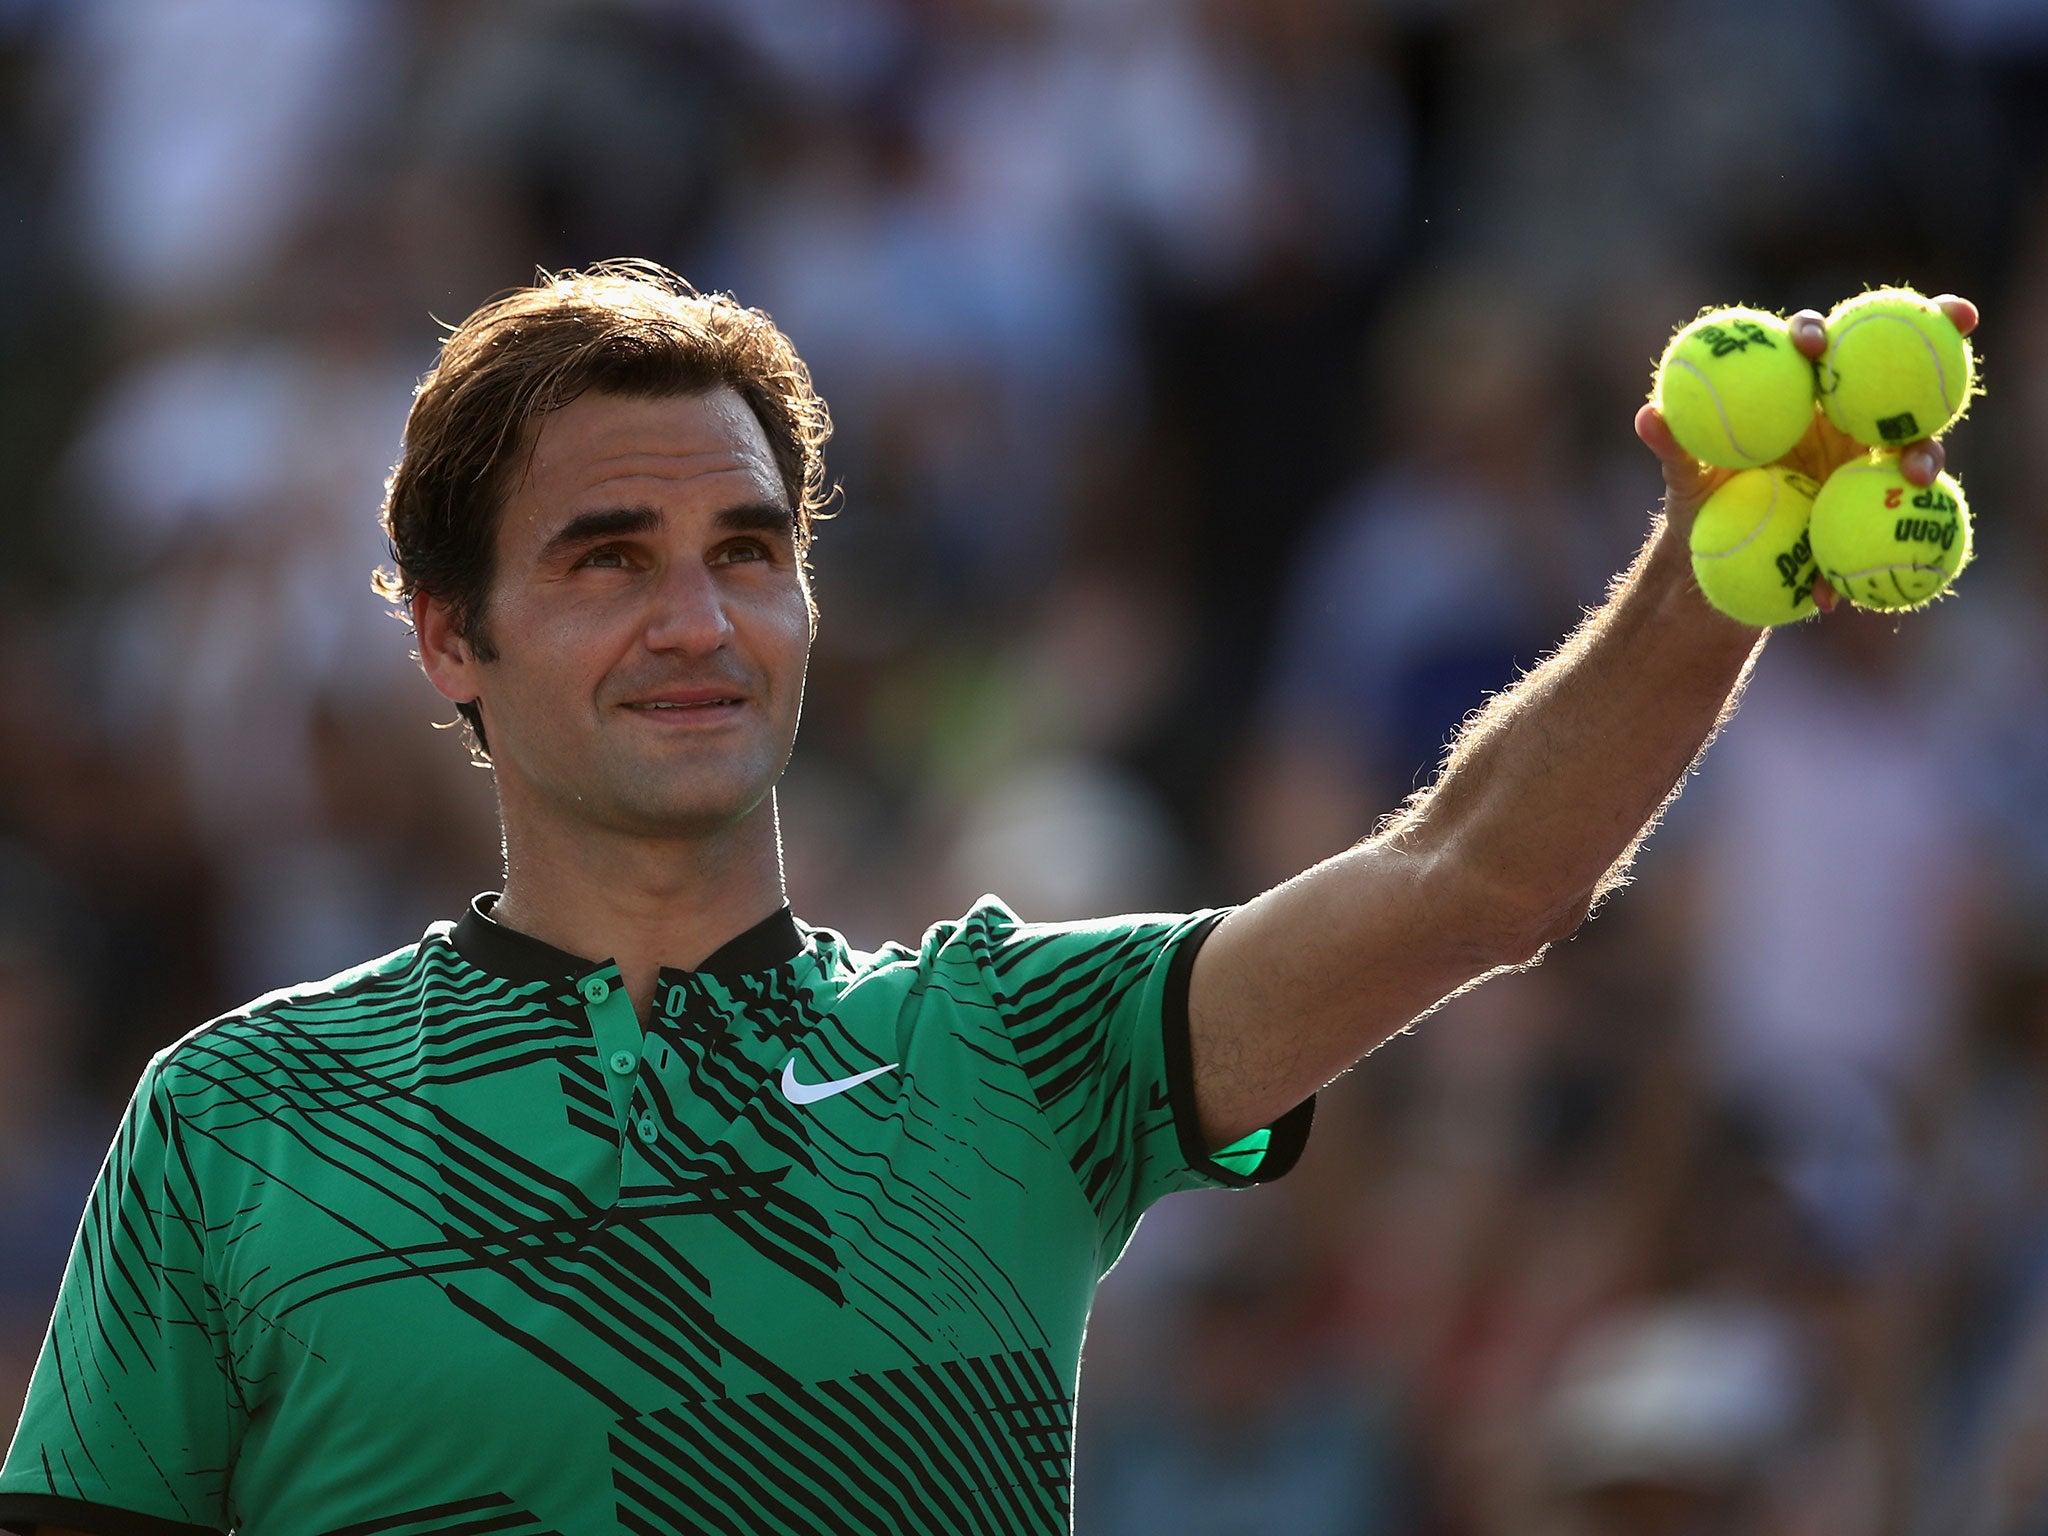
(989, 948)
(384, 989)
(951, 946)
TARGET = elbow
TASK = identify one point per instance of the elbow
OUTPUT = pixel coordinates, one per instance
(1539, 926)
(1512, 929)
(1494, 924)
(1555, 924)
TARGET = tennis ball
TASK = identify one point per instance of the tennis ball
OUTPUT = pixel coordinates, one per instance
(1884, 542)
(1896, 368)
(1750, 551)
(1734, 390)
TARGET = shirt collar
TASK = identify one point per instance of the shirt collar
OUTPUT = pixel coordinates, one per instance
(501, 951)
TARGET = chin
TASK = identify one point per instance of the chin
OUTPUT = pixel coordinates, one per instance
(631, 796)
(702, 811)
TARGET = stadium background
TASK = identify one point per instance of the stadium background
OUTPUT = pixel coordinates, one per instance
(1229, 394)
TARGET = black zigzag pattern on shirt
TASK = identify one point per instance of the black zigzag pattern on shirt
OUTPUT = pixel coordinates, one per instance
(777, 1224)
(1057, 1018)
(490, 1514)
(344, 1075)
(977, 1445)
(141, 1245)
(585, 1100)
(732, 1036)
(778, 1008)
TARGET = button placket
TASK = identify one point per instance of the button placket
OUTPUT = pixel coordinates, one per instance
(616, 1034)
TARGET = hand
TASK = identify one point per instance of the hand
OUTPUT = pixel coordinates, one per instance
(1823, 450)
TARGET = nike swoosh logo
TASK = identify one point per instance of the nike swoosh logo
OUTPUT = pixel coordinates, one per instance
(810, 1093)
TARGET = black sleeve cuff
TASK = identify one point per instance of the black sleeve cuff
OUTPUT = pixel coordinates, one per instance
(1289, 1132)
(21, 1513)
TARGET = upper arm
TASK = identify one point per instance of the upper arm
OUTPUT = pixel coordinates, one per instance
(1096, 1014)
(1294, 987)
(1082, 1004)
(130, 1410)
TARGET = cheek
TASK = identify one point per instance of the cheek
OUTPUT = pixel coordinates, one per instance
(802, 632)
(542, 651)
(787, 629)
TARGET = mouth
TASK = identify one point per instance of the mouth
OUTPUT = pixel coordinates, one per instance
(685, 708)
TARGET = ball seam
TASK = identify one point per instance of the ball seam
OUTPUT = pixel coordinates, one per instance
(1720, 409)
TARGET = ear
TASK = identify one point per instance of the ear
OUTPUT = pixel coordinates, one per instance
(447, 659)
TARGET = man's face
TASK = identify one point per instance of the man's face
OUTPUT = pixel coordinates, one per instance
(650, 620)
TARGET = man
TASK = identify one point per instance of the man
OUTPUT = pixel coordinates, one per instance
(628, 1201)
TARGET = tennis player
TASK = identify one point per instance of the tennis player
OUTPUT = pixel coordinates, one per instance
(627, 1201)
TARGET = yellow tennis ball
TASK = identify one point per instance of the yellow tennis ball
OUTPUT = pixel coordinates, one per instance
(1884, 542)
(1896, 368)
(1734, 390)
(1750, 551)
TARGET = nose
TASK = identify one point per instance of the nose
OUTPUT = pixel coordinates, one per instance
(687, 611)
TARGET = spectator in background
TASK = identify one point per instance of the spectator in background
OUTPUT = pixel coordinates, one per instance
(2006, 1490)
(1670, 1420)
(205, 133)
(51, 1140)
(1986, 1443)
(225, 483)
(1433, 579)
(1841, 874)
(1250, 1428)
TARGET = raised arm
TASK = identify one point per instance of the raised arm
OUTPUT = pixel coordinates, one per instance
(1534, 818)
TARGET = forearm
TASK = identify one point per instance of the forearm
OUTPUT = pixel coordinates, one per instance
(1550, 789)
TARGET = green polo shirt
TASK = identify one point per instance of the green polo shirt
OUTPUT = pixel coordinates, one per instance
(451, 1243)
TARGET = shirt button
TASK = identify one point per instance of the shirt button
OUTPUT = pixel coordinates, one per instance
(624, 1062)
(595, 989)
(650, 1132)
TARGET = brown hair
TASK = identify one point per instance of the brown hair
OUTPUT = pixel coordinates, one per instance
(620, 327)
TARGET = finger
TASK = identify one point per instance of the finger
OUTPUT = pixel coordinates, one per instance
(1687, 481)
(1683, 473)
(1656, 435)
(1959, 310)
(1809, 332)
(1920, 462)
(1824, 595)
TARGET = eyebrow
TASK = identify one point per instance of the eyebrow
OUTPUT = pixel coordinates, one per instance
(619, 522)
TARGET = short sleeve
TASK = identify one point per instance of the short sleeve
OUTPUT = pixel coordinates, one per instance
(129, 1424)
(1098, 1015)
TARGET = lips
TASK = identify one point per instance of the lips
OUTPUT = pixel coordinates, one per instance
(688, 712)
(677, 699)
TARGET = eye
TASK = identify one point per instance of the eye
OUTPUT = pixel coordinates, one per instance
(609, 557)
(741, 551)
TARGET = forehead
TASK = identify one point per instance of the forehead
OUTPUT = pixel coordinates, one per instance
(602, 446)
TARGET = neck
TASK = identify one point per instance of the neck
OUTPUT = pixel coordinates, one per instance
(646, 902)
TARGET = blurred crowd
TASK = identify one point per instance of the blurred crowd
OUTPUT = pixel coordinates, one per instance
(1230, 394)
